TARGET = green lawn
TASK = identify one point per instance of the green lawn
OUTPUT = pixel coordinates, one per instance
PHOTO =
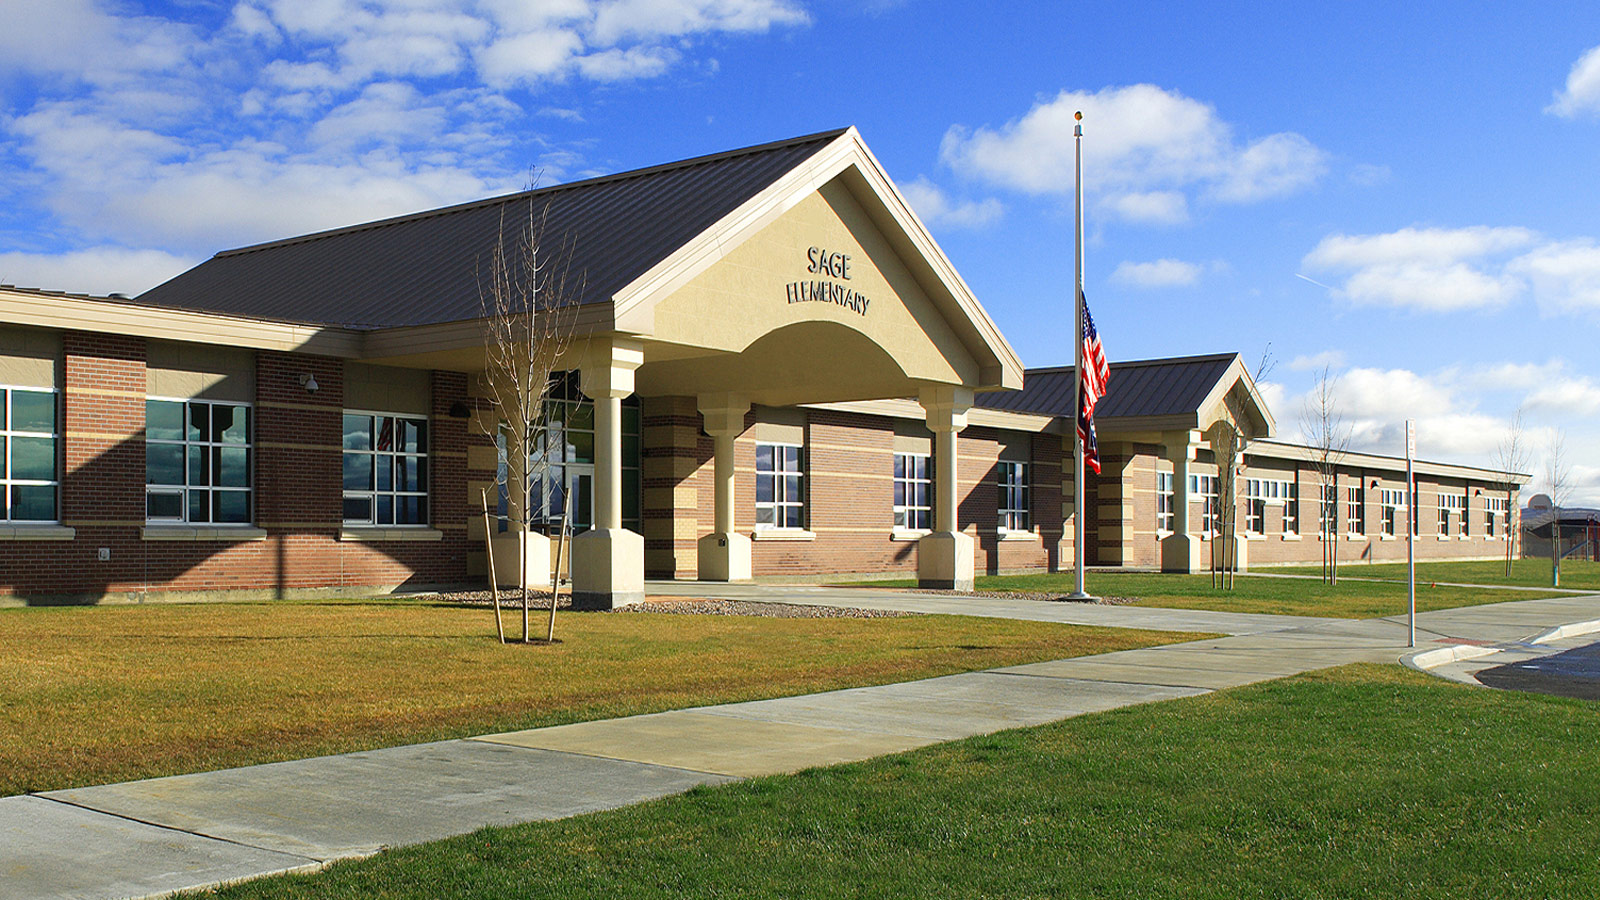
(1577, 574)
(1279, 596)
(90, 695)
(1365, 781)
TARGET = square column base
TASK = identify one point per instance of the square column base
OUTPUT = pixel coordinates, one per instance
(944, 561)
(1184, 553)
(724, 556)
(506, 556)
(607, 569)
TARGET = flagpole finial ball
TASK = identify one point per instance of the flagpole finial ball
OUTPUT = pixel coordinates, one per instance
(1078, 115)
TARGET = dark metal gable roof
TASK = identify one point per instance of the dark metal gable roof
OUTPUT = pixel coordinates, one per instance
(1151, 387)
(424, 268)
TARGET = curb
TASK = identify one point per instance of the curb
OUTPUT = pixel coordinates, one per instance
(1427, 660)
(1424, 660)
(1576, 629)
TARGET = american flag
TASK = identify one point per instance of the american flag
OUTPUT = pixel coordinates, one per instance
(1096, 373)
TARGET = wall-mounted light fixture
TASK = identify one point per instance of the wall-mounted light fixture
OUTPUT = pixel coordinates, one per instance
(309, 382)
(460, 410)
(1374, 482)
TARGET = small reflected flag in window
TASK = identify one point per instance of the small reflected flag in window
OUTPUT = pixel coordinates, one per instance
(1096, 374)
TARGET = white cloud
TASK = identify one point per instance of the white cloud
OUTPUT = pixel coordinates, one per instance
(1426, 268)
(626, 65)
(1582, 92)
(616, 20)
(387, 112)
(1316, 362)
(1565, 275)
(1370, 175)
(528, 57)
(1452, 269)
(1138, 140)
(99, 270)
(1149, 207)
(935, 207)
(1565, 396)
(1156, 273)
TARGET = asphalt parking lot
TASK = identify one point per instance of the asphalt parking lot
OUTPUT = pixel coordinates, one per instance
(1572, 673)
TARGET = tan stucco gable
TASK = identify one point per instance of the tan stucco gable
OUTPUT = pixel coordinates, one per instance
(823, 261)
(840, 196)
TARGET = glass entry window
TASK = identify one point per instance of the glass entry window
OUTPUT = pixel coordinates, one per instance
(29, 473)
(385, 469)
(197, 462)
(563, 458)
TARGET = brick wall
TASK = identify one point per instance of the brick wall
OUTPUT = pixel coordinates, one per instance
(297, 493)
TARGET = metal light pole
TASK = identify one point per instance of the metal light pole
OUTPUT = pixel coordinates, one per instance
(1411, 531)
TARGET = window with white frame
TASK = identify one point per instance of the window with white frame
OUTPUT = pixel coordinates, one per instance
(1205, 488)
(1355, 509)
(197, 461)
(30, 477)
(385, 469)
(1014, 501)
(1394, 505)
(1449, 508)
(913, 490)
(1163, 501)
(1466, 515)
(1327, 508)
(1259, 493)
(1494, 515)
(780, 487)
(1291, 507)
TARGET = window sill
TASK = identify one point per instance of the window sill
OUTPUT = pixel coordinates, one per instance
(1251, 536)
(1441, 537)
(41, 532)
(782, 534)
(1162, 534)
(1290, 537)
(237, 533)
(1355, 537)
(375, 533)
(911, 534)
(1017, 536)
(1386, 537)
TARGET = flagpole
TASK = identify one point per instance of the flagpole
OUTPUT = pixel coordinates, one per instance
(1078, 592)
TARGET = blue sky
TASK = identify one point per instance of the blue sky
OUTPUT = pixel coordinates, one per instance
(1405, 193)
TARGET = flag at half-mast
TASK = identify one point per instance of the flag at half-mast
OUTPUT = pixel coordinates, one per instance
(1096, 374)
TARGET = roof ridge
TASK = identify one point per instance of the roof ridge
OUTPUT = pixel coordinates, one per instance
(1204, 357)
(552, 189)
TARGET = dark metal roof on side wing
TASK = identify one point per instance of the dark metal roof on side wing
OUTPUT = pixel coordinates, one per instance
(1151, 387)
(425, 268)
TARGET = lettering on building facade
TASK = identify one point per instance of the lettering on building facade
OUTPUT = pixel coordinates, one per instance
(833, 265)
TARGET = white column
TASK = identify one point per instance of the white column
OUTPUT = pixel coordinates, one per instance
(1181, 551)
(944, 558)
(608, 560)
(724, 555)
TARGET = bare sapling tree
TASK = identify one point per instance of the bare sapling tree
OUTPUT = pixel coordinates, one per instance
(1511, 457)
(529, 320)
(1227, 445)
(1325, 431)
(1560, 478)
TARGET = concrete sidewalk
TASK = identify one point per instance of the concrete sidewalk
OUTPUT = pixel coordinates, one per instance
(1066, 613)
(165, 834)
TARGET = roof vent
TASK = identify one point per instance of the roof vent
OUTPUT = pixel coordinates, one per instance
(117, 296)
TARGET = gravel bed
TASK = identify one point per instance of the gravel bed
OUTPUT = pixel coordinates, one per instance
(679, 606)
(1048, 596)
